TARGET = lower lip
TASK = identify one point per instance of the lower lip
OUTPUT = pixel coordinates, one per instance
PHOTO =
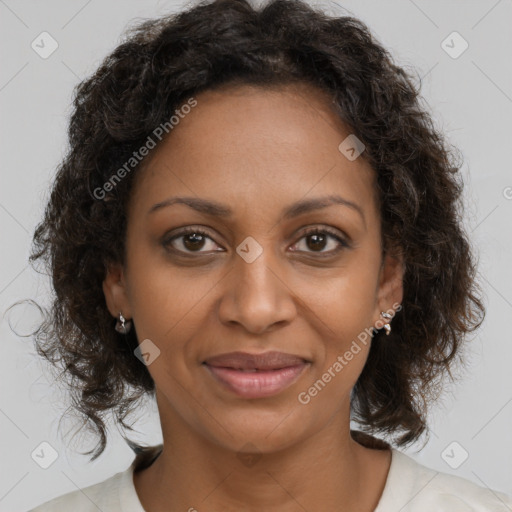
(257, 384)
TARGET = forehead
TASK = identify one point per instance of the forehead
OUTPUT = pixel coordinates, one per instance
(245, 142)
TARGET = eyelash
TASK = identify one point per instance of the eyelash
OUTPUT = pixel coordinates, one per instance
(310, 231)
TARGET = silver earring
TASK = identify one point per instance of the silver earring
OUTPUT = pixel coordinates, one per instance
(123, 326)
(387, 325)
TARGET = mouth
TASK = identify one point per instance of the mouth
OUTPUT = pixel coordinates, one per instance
(256, 375)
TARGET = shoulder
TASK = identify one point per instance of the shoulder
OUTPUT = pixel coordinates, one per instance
(115, 494)
(412, 487)
(102, 496)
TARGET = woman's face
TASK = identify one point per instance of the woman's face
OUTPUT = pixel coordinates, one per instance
(255, 281)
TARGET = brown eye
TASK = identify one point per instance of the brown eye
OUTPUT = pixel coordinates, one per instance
(189, 241)
(316, 242)
(318, 239)
(194, 241)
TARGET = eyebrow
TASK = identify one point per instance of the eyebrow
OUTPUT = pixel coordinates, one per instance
(215, 209)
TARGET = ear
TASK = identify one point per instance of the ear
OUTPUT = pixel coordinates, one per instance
(390, 288)
(114, 288)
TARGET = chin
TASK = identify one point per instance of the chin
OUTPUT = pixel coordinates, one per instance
(259, 430)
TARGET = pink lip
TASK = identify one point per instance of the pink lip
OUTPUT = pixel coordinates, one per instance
(258, 383)
(256, 375)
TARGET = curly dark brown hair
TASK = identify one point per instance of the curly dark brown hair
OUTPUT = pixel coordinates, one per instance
(165, 61)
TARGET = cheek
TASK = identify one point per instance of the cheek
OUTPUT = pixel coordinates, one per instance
(167, 305)
(344, 304)
(345, 301)
(345, 313)
(164, 299)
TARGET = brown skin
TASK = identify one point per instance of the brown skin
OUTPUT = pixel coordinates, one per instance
(256, 151)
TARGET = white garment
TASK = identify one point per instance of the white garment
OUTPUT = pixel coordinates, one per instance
(410, 487)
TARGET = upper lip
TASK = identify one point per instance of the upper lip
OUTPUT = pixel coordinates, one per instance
(266, 361)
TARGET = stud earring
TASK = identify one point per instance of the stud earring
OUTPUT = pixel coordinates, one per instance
(387, 325)
(123, 326)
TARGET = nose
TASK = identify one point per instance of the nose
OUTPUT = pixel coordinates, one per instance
(257, 296)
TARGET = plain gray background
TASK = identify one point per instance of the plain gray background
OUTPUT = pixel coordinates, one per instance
(471, 100)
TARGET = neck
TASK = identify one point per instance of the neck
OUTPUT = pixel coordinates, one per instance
(329, 470)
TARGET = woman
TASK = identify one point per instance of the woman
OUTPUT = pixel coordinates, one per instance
(259, 226)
